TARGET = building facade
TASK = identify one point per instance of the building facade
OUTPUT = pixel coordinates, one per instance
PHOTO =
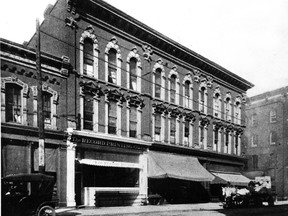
(266, 137)
(122, 97)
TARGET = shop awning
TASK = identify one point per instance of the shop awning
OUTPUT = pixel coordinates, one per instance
(105, 163)
(233, 178)
(165, 165)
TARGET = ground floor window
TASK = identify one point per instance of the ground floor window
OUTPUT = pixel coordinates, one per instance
(96, 176)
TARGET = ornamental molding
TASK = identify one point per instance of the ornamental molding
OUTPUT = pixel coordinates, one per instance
(135, 101)
(91, 87)
(159, 64)
(113, 44)
(160, 108)
(204, 120)
(147, 52)
(89, 33)
(14, 80)
(114, 95)
(188, 77)
(45, 88)
(238, 101)
(197, 75)
(134, 54)
(228, 96)
(189, 116)
(209, 81)
(175, 112)
(217, 92)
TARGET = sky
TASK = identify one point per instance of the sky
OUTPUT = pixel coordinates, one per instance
(247, 37)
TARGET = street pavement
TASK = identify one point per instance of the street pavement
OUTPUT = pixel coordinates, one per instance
(281, 209)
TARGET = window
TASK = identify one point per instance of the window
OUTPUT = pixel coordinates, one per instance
(133, 74)
(202, 100)
(254, 120)
(47, 107)
(88, 112)
(273, 138)
(158, 83)
(228, 109)
(157, 127)
(187, 93)
(254, 141)
(255, 161)
(173, 130)
(112, 117)
(202, 136)
(112, 66)
(217, 106)
(13, 103)
(88, 57)
(273, 117)
(227, 142)
(236, 144)
(173, 89)
(133, 122)
(186, 133)
(216, 138)
(237, 113)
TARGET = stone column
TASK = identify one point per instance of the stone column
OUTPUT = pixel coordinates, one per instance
(143, 176)
(70, 184)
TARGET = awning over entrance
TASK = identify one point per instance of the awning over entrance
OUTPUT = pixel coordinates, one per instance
(233, 178)
(165, 165)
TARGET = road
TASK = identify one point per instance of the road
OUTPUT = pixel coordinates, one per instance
(279, 210)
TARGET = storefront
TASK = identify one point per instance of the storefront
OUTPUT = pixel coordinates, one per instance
(177, 178)
(109, 170)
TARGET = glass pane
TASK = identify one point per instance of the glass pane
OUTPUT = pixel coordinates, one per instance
(187, 84)
(158, 83)
(13, 103)
(112, 109)
(133, 73)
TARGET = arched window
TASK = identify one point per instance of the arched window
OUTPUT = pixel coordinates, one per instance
(173, 88)
(133, 73)
(88, 57)
(202, 99)
(217, 105)
(13, 100)
(158, 83)
(228, 109)
(112, 66)
(188, 91)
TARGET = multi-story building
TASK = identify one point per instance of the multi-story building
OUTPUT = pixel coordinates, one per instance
(128, 111)
(266, 143)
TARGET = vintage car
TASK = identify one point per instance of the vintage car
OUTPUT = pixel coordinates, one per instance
(28, 194)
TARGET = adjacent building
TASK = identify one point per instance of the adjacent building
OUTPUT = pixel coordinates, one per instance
(128, 112)
(266, 143)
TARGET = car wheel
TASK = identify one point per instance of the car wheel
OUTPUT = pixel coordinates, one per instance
(46, 211)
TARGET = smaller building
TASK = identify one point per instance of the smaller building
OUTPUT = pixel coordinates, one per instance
(266, 144)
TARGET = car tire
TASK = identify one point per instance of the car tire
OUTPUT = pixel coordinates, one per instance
(46, 211)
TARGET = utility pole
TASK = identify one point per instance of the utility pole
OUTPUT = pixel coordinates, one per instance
(40, 117)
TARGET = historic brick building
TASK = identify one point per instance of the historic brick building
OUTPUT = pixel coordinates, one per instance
(266, 143)
(128, 110)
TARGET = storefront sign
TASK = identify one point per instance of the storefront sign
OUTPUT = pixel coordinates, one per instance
(109, 163)
(109, 143)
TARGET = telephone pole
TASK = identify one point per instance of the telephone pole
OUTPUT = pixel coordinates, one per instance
(40, 117)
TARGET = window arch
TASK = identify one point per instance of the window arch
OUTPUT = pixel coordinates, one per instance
(14, 94)
(159, 80)
(113, 61)
(134, 70)
(173, 86)
(188, 91)
(89, 53)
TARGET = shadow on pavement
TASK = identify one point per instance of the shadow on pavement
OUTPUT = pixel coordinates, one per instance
(279, 210)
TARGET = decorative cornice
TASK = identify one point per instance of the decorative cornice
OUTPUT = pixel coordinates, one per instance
(160, 108)
(114, 95)
(91, 87)
(135, 101)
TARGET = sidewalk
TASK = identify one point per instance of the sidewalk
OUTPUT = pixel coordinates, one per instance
(136, 209)
(142, 209)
